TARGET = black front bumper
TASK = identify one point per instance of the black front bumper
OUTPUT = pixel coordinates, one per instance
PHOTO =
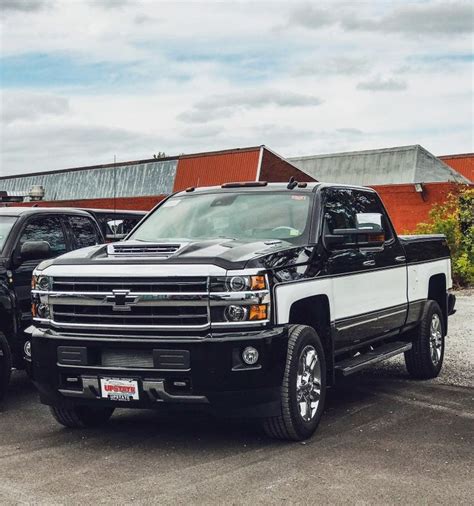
(207, 372)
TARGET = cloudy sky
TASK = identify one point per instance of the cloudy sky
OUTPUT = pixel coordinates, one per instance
(84, 80)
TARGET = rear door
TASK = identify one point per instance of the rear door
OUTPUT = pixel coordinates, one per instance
(369, 284)
(83, 231)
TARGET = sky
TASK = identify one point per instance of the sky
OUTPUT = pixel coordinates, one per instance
(84, 81)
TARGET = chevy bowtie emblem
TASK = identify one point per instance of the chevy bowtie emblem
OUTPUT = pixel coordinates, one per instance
(122, 300)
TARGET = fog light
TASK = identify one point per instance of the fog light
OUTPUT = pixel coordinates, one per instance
(27, 349)
(250, 355)
(236, 313)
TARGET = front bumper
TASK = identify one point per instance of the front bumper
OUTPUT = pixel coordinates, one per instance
(207, 372)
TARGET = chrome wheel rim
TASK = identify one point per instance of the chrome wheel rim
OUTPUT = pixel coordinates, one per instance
(308, 383)
(436, 339)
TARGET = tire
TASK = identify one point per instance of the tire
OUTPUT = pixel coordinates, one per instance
(81, 416)
(292, 424)
(5, 365)
(425, 359)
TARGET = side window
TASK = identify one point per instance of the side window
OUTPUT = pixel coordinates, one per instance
(83, 231)
(45, 228)
(348, 208)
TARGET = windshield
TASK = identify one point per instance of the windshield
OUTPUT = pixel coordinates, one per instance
(6, 224)
(243, 216)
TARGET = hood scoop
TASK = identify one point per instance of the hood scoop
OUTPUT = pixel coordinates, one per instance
(141, 249)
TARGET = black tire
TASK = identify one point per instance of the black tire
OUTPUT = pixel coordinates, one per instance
(290, 424)
(5, 365)
(421, 361)
(81, 416)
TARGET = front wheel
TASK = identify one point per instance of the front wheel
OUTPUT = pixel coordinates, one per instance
(81, 416)
(425, 359)
(5, 365)
(303, 390)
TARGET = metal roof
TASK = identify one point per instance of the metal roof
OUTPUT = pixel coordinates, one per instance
(127, 180)
(405, 164)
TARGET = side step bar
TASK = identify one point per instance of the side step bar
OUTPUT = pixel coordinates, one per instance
(355, 364)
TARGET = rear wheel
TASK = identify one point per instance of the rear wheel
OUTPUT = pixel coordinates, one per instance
(81, 416)
(303, 391)
(5, 365)
(425, 359)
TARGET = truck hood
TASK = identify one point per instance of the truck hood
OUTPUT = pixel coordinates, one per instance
(226, 253)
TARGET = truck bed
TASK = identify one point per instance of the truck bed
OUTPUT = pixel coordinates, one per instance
(423, 248)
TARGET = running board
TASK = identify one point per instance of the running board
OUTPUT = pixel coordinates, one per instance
(355, 364)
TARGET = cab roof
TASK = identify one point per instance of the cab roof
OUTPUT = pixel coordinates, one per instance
(23, 211)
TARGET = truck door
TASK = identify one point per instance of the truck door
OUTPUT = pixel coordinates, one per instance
(38, 228)
(369, 284)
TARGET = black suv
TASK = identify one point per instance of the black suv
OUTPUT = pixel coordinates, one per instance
(27, 236)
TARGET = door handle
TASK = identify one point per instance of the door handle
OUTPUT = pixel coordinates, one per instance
(368, 263)
(400, 259)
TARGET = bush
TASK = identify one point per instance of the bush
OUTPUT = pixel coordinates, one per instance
(455, 219)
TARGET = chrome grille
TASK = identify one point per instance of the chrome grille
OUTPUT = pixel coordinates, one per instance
(85, 305)
(138, 315)
(174, 285)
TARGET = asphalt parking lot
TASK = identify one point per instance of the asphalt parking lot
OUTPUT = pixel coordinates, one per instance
(383, 439)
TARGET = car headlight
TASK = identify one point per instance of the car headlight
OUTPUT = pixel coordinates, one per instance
(239, 283)
(239, 299)
(41, 283)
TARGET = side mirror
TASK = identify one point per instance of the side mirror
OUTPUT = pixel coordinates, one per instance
(354, 238)
(35, 250)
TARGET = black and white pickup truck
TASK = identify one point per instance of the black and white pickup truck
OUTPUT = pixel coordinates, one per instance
(249, 298)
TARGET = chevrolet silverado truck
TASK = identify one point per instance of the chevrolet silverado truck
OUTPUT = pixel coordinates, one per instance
(29, 235)
(250, 299)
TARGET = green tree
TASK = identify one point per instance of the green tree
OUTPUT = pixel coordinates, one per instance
(455, 219)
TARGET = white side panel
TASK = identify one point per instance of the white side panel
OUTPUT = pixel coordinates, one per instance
(349, 295)
(419, 277)
(369, 291)
(287, 294)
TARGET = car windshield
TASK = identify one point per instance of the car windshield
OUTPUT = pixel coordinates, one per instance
(6, 224)
(242, 216)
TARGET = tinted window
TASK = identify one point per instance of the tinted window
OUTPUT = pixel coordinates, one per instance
(343, 207)
(84, 232)
(6, 224)
(45, 228)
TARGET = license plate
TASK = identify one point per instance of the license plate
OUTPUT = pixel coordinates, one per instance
(116, 389)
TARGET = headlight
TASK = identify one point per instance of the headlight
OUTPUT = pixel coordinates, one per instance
(240, 299)
(239, 284)
(42, 283)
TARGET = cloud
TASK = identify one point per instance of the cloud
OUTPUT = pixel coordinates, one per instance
(23, 5)
(380, 84)
(32, 106)
(345, 66)
(414, 18)
(438, 18)
(217, 106)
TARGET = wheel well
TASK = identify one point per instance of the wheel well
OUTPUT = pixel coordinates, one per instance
(437, 292)
(315, 312)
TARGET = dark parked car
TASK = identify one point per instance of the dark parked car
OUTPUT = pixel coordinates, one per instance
(116, 224)
(27, 236)
(248, 299)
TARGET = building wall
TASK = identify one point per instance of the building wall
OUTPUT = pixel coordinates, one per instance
(275, 169)
(407, 208)
(209, 169)
(144, 203)
(464, 164)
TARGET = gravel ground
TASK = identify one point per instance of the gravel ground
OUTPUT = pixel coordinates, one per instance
(384, 439)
